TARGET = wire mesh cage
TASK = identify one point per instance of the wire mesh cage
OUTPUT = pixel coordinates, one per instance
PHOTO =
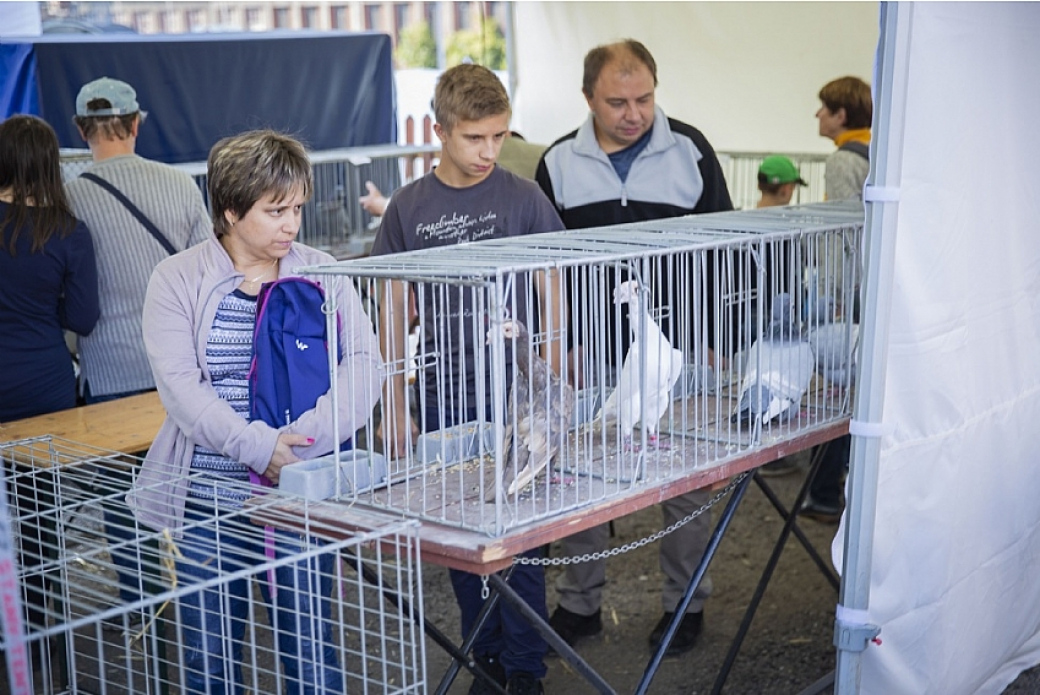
(676, 345)
(296, 597)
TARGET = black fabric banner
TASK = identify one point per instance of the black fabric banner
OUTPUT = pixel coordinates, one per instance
(329, 89)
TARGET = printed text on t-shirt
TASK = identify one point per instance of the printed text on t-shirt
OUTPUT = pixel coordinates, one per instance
(459, 227)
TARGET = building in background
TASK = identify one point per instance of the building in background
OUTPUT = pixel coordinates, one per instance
(456, 30)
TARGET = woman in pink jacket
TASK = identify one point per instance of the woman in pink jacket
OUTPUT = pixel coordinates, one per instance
(199, 315)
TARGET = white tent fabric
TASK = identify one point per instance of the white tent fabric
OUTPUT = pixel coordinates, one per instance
(20, 19)
(745, 73)
(955, 570)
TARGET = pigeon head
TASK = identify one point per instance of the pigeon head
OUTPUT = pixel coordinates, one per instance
(510, 329)
(782, 316)
(627, 292)
(781, 308)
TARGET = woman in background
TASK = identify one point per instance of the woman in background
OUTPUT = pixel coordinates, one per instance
(48, 270)
(48, 284)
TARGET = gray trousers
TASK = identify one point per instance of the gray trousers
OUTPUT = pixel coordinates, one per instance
(580, 586)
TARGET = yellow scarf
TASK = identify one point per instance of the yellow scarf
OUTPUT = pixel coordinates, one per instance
(860, 135)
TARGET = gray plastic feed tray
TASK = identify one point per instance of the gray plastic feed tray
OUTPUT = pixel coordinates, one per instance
(316, 479)
(694, 379)
(454, 444)
(586, 405)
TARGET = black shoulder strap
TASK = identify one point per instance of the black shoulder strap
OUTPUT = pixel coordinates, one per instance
(134, 210)
(862, 149)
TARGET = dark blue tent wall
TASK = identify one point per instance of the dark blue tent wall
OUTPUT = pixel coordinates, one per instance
(328, 89)
(17, 80)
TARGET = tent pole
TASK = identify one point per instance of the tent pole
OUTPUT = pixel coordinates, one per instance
(510, 31)
(852, 631)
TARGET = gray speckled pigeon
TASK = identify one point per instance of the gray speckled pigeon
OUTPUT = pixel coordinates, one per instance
(538, 417)
(834, 360)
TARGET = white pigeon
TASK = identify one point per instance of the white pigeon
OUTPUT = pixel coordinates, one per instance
(539, 413)
(651, 368)
(779, 369)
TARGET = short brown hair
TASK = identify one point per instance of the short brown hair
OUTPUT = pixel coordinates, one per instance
(468, 92)
(244, 168)
(598, 57)
(108, 127)
(853, 95)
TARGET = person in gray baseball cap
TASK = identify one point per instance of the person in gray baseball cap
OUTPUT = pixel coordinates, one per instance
(121, 98)
(139, 212)
(142, 211)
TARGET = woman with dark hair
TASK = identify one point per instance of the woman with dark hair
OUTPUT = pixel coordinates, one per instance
(50, 277)
(49, 285)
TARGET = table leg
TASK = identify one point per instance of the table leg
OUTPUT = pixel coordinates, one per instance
(554, 640)
(390, 596)
(467, 644)
(827, 571)
(680, 610)
(790, 524)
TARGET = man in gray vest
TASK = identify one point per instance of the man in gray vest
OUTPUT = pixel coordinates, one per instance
(138, 212)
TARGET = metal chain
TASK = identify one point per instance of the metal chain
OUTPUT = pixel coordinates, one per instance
(621, 549)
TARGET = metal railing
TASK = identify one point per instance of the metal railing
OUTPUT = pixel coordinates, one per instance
(741, 172)
(333, 220)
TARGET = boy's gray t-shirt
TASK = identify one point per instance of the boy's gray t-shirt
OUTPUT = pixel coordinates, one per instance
(428, 213)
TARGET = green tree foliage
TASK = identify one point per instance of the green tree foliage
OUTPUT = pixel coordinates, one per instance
(416, 47)
(487, 47)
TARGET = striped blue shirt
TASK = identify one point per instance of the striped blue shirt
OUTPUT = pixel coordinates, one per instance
(229, 349)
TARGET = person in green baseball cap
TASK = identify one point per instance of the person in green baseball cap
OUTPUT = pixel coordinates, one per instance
(777, 177)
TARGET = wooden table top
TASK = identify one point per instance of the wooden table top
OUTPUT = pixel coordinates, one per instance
(127, 425)
(479, 553)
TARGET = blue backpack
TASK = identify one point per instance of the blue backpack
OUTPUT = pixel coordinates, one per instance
(290, 365)
(289, 370)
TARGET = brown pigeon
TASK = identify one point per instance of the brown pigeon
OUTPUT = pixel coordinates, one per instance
(539, 413)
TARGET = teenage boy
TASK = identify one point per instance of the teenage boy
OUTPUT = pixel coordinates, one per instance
(467, 197)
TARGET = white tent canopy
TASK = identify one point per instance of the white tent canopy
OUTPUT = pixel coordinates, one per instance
(956, 543)
(745, 73)
(20, 19)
